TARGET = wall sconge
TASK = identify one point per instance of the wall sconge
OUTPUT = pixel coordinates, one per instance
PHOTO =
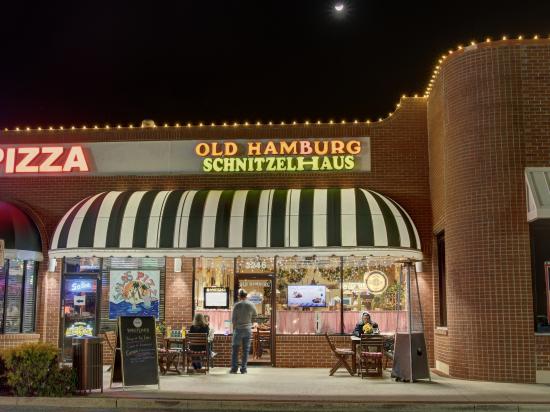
(177, 265)
(419, 267)
(52, 265)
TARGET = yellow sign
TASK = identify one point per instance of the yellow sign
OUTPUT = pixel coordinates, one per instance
(79, 329)
(279, 156)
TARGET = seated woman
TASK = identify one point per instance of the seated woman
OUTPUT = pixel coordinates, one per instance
(359, 327)
(199, 326)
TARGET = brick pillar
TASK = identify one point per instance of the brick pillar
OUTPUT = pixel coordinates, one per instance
(49, 308)
(178, 294)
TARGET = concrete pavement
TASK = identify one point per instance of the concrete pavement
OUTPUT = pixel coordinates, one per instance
(277, 389)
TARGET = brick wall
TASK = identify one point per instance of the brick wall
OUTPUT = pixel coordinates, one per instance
(488, 118)
(178, 294)
(13, 340)
(399, 170)
(543, 352)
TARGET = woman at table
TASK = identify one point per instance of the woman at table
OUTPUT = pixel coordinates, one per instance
(210, 337)
(365, 318)
(199, 326)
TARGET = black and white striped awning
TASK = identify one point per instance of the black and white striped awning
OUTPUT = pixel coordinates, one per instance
(19, 233)
(237, 222)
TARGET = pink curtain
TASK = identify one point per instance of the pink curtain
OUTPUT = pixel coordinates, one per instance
(293, 322)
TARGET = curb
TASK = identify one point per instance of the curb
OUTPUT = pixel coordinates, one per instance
(240, 405)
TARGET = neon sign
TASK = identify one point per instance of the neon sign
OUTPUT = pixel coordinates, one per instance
(279, 156)
(43, 159)
(81, 286)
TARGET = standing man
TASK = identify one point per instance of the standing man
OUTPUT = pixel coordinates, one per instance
(244, 313)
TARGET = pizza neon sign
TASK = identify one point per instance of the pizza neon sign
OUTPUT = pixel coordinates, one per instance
(43, 159)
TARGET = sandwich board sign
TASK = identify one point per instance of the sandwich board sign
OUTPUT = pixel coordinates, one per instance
(135, 361)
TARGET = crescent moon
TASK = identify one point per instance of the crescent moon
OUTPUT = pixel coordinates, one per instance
(339, 7)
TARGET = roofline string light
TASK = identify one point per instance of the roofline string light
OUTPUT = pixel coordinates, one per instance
(429, 88)
(460, 48)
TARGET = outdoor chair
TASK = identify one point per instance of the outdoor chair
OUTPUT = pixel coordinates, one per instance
(342, 355)
(264, 342)
(197, 350)
(167, 358)
(109, 340)
(371, 353)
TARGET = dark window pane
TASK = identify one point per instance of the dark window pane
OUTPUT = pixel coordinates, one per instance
(13, 297)
(442, 279)
(82, 265)
(29, 298)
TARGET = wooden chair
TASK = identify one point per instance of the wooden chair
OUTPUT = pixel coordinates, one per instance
(342, 355)
(197, 349)
(264, 342)
(109, 340)
(371, 353)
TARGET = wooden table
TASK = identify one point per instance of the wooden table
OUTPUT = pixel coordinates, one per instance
(356, 340)
(171, 357)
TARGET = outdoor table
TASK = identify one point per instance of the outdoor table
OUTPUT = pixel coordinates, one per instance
(172, 356)
(356, 340)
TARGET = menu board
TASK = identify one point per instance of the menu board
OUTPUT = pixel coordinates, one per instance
(138, 350)
(216, 298)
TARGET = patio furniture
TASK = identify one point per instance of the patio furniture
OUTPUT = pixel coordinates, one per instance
(371, 353)
(109, 339)
(264, 342)
(342, 355)
(197, 350)
(168, 358)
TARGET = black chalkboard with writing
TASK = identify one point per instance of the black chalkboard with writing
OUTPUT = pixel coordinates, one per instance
(138, 349)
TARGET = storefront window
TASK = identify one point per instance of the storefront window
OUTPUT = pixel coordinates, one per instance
(373, 285)
(17, 296)
(308, 295)
(215, 277)
(258, 264)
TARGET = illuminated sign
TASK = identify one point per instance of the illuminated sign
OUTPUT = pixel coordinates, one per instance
(279, 155)
(81, 286)
(186, 157)
(42, 159)
(79, 329)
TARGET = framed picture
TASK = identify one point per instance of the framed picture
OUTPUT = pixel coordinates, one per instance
(134, 293)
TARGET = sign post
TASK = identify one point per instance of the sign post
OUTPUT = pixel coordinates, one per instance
(135, 361)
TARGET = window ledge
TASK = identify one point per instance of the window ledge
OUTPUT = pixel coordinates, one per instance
(441, 330)
(542, 333)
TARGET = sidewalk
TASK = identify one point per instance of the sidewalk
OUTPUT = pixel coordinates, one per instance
(265, 388)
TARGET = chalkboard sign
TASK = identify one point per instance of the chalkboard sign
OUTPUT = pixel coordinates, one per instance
(138, 351)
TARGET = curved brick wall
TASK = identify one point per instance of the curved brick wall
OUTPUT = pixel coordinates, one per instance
(479, 127)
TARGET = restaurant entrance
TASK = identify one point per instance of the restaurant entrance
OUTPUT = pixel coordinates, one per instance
(260, 288)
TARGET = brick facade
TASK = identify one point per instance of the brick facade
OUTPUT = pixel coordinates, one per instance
(487, 121)
(454, 161)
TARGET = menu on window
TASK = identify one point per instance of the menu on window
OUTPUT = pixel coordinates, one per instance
(216, 298)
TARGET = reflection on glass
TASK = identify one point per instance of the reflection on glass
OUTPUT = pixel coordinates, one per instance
(211, 272)
(79, 309)
(372, 285)
(257, 264)
(308, 295)
(13, 296)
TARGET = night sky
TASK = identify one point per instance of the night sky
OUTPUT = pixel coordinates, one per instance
(90, 62)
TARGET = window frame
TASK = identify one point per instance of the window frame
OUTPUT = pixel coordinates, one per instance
(6, 270)
(441, 280)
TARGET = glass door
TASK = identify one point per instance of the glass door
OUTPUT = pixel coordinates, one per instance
(260, 290)
(79, 305)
